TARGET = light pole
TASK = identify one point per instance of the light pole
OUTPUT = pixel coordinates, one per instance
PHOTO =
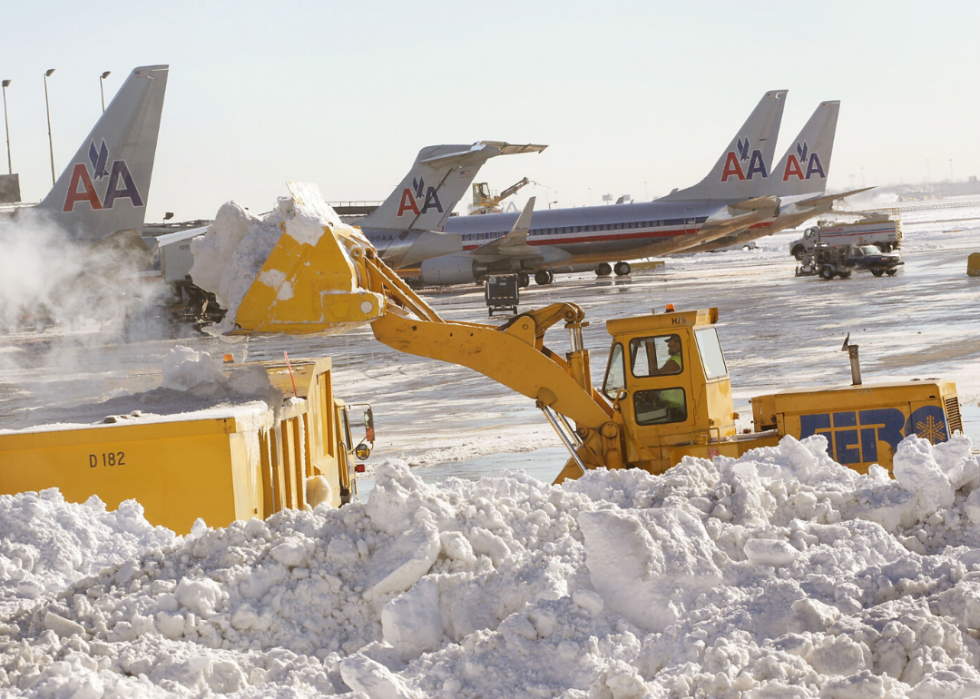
(102, 89)
(47, 107)
(10, 167)
(950, 169)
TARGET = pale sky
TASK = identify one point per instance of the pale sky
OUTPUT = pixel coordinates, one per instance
(632, 97)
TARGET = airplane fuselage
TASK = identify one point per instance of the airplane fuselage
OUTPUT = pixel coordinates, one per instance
(593, 232)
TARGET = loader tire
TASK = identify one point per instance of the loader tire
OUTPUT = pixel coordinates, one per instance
(891, 271)
(827, 272)
(877, 270)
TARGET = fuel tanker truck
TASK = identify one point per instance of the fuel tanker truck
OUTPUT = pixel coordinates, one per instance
(666, 392)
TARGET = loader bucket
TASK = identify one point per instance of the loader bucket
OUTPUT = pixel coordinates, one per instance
(306, 287)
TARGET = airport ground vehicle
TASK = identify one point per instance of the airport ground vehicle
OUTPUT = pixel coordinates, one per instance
(666, 393)
(869, 257)
(486, 203)
(830, 261)
(502, 292)
(879, 230)
(222, 465)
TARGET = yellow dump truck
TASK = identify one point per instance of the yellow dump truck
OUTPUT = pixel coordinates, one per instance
(666, 392)
(220, 465)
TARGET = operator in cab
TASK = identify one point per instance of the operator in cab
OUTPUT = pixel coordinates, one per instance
(674, 363)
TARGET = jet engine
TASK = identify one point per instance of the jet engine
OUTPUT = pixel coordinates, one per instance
(451, 269)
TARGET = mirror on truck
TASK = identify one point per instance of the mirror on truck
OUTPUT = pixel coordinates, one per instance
(369, 425)
(363, 450)
(810, 232)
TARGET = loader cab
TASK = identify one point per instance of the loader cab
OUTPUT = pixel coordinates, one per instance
(668, 377)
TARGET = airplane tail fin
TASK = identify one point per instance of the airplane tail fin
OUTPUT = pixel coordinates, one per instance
(743, 169)
(437, 181)
(806, 165)
(105, 187)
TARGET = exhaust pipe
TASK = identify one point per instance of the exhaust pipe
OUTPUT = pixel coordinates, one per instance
(852, 353)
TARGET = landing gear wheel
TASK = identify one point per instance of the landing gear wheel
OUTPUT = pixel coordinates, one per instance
(827, 272)
(622, 269)
(603, 270)
(877, 270)
(523, 279)
(891, 271)
(543, 277)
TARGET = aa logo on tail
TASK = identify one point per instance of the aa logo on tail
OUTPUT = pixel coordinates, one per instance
(794, 164)
(82, 188)
(410, 198)
(733, 168)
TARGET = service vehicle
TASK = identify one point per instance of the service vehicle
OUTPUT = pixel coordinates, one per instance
(221, 464)
(870, 258)
(879, 230)
(502, 292)
(830, 261)
(666, 392)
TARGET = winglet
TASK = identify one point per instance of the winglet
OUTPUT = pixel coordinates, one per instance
(518, 234)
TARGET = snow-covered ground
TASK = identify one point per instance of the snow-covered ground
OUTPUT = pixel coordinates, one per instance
(778, 575)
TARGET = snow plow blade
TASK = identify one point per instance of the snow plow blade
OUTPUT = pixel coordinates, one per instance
(309, 288)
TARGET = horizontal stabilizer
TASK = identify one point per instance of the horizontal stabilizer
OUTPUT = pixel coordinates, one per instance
(437, 181)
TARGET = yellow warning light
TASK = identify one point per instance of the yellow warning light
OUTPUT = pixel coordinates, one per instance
(229, 358)
(670, 308)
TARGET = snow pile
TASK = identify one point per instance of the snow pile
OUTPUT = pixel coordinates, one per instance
(230, 255)
(186, 369)
(778, 574)
(194, 386)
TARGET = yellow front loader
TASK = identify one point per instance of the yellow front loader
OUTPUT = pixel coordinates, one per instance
(666, 392)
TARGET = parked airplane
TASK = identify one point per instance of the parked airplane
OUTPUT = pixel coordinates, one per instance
(799, 180)
(728, 199)
(407, 227)
(104, 189)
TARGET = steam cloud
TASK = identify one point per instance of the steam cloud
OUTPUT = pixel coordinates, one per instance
(46, 279)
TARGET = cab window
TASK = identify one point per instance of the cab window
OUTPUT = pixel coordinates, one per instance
(345, 430)
(660, 407)
(656, 356)
(615, 373)
(711, 354)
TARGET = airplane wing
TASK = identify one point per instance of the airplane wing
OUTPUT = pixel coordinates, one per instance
(817, 201)
(514, 244)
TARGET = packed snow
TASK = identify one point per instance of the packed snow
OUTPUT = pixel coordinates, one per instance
(229, 257)
(780, 574)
